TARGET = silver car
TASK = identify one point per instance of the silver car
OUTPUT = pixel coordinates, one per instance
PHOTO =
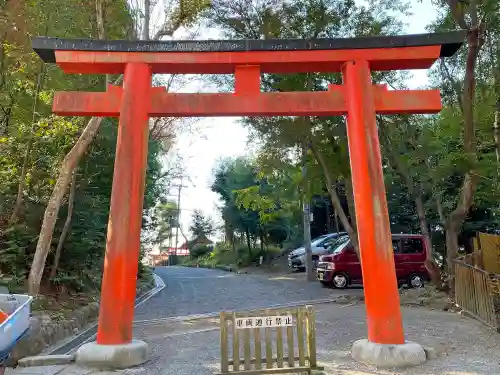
(297, 258)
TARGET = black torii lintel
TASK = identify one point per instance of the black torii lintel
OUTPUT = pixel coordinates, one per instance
(450, 42)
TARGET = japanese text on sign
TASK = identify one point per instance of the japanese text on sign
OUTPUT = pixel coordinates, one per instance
(264, 322)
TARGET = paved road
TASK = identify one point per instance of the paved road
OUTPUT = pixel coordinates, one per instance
(200, 291)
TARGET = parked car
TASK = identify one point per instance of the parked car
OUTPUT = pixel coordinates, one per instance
(297, 258)
(340, 267)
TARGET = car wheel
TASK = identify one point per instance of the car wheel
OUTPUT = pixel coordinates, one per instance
(340, 281)
(416, 281)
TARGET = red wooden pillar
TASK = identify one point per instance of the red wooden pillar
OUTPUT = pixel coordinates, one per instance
(384, 320)
(124, 227)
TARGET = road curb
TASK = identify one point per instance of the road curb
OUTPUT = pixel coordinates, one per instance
(90, 333)
(46, 360)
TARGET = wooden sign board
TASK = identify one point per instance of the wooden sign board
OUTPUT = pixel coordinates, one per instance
(264, 322)
(264, 335)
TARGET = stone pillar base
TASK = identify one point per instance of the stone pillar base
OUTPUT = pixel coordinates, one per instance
(388, 356)
(112, 356)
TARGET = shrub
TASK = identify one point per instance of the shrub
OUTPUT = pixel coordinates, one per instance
(200, 250)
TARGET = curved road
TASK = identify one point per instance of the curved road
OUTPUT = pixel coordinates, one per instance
(191, 291)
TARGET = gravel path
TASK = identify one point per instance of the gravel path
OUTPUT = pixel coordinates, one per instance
(465, 346)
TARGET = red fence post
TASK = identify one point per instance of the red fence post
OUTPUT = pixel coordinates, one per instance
(124, 227)
(384, 319)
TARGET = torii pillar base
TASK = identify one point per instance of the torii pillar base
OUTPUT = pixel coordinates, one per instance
(387, 355)
(112, 357)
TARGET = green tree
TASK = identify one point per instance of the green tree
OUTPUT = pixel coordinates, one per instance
(167, 213)
(232, 175)
(324, 138)
(33, 143)
(179, 17)
(201, 225)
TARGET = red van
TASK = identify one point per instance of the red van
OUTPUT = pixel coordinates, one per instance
(340, 267)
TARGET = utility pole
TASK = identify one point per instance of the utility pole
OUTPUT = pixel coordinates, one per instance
(169, 242)
(307, 219)
(177, 224)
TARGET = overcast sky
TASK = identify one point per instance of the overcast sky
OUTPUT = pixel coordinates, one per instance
(219, 137)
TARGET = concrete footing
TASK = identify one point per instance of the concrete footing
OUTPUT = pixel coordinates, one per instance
(388, 356)
(112, 356)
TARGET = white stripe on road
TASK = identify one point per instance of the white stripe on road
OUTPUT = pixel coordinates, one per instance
(202, 277)
(159, 286)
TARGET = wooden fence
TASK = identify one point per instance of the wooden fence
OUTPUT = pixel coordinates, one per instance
(489, 247)
(477, 292)
(289, 323)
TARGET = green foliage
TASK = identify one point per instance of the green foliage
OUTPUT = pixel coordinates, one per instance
(44, 139)
(201, 227)
(430, 150)
(164, 220)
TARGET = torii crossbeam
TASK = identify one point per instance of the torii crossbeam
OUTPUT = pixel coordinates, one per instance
(357, 98)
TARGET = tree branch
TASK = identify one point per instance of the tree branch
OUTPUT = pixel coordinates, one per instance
(67, 223)
(457, 13)
(454, 84)
(169, 29)
(334, 196)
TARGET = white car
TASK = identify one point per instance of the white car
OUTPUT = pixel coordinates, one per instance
(297, 258)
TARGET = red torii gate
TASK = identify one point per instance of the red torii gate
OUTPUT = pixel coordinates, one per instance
(357, 98)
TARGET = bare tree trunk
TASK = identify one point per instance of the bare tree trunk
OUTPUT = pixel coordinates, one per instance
(67, 223)
(335, 198)
(249, 243)
(329, 228)
(147, 17)
(350, 201)
(451, 233)
(459, 214)
(24, 169)
(70, 162)
(100, 19)
(496, 131)
(2, 58)
(430, 264)
(306, 209)
(101, 31)
(337, 229)
(424, 227)
(496, 123)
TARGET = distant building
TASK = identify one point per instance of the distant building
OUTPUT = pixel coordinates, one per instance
(200, 240)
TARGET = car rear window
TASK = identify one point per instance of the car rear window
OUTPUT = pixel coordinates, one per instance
(411, 246)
